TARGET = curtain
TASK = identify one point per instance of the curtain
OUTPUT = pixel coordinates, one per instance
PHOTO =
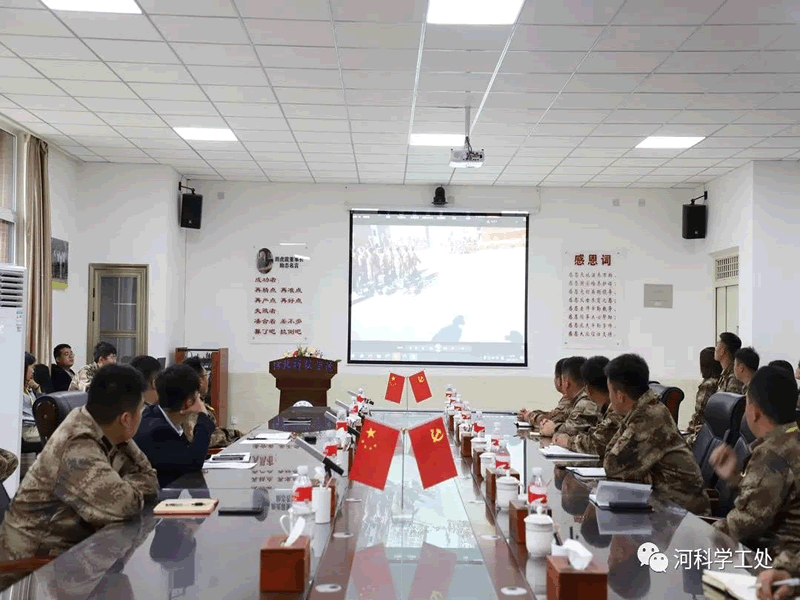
(37, 250)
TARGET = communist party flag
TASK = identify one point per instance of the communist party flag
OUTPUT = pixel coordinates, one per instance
(435, 570)
(432, 452)
(394, 389)
(419, 385)
(374, 454)
(372, 575)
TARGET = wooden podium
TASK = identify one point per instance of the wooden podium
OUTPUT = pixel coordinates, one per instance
(303, 379)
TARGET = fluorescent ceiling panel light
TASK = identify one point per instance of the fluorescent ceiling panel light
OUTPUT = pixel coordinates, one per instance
(655, 141)
(205, 134)
(473, 12)
(101, 6)
(447, 140)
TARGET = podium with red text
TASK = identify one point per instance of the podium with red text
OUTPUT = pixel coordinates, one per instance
(303, 378)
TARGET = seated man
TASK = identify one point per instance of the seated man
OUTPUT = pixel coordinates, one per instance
(595, 439)
(583, 412)
(61, 372)
(149, 367)
(648, 448)
(711, 370)
(745, 365)
(89, 474)
(767, 509)
(535, 417)
(221, 437)
(161, 435)
(724, 352)
(104, 354)
(8, 464)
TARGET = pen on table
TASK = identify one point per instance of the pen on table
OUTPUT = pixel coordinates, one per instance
(557, 538)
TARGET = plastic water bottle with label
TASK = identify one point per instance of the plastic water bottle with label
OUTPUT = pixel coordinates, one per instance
(477, 425)
(496, 435)
(301, 490)
(341, 420)
(331, 446)
(502, 459)
(537, 491)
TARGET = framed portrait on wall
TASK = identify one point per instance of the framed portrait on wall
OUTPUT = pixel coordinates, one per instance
(59, 250)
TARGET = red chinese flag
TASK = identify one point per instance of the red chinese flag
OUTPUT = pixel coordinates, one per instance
(435, 570)
(394, 389)
(419, 385)
(432, 452)
(371, 574)
(374, 454)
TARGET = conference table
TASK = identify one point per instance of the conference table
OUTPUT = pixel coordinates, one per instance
(403, 542)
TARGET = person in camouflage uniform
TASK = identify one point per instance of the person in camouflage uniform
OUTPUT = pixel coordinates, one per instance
(221, 437)
(583, 412)
(766, 512)
(104, 354)
(8, 464)
(745, 365)
(786, 565)
(711, 370)
(535, 417)
(595, 439)
(724, 352)
(90, 473)
(648, 448)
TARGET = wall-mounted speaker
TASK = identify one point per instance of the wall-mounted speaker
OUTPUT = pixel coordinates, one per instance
(695, 218)
(191, 210)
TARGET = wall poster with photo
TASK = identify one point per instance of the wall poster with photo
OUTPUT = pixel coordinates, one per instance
(278, 293)
(593, 298)
(59, 250)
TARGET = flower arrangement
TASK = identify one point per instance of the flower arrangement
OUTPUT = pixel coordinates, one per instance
(307, 352)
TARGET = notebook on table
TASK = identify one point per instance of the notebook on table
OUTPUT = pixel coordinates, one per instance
(588, 472)
(188, 507)
(621, 495)
(553, 451)
(718, 584)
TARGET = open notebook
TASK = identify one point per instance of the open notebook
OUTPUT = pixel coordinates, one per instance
(588, 472)
(621, 495)
(737, 585)
(553, 451)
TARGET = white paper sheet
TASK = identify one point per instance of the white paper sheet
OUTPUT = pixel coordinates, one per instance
(226, 465)
(553, 451)
(593, 472)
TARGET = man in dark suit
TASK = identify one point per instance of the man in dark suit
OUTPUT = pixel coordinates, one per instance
(61, 372)
(161, 435)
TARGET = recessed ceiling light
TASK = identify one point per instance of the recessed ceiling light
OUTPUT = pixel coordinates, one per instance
(448, 140)
(473, 12)
(102, 6)
(655, 141)
(205, 134)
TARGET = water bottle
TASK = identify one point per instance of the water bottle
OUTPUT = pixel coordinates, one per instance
(496, 435)
(537, 492)
(458, 404)
(301, 490)
(341, 420)
(449, 393)
(360, 396)
(477, 424)
(331, 446)
(502, 459)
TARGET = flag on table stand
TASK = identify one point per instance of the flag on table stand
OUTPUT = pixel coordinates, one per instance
(394, 389)
(435, 570)
(374, 454)
(432, 452)
(419, 385)
(371, 574)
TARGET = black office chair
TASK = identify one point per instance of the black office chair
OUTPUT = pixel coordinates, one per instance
(50, 410)
(671, 397)
(5, 501)
(742, 445)
(41, 375)
(722, 418)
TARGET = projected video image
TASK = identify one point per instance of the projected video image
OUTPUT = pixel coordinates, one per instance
(438, 288)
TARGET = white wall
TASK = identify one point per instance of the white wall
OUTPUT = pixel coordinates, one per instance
(125, 214)
(220, 257)
(776, 216)
(69, 303)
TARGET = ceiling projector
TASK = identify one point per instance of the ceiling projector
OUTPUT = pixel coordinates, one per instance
(466, 157)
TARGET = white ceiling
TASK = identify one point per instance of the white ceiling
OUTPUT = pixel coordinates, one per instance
(328, 90)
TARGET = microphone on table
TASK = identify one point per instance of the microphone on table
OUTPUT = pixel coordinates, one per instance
(326, 462)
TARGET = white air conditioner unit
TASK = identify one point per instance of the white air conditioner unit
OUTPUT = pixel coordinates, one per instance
(12, 347)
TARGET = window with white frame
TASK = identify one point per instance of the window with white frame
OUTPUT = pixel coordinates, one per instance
(8, 187)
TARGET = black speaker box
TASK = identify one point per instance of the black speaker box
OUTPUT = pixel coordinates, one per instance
(694, 221)
(191, 210)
